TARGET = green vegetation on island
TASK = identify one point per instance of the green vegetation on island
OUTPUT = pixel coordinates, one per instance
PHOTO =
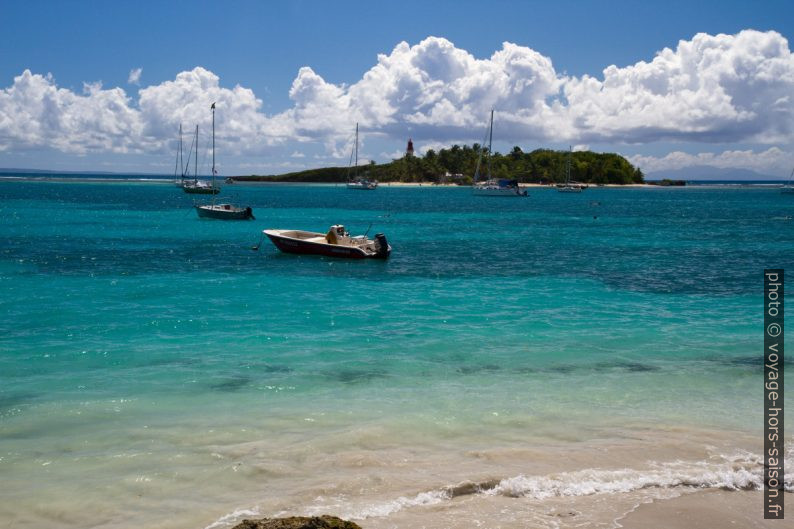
(457, 164)
(667, 182)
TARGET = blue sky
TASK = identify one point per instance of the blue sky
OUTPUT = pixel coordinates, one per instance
(72, 114)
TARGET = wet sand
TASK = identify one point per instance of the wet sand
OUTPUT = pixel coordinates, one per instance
(704, 509)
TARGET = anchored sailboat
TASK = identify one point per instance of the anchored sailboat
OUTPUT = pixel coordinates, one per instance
(494, 187)
(568, 187)
(223, 211)
(358, 182)
(198, 187)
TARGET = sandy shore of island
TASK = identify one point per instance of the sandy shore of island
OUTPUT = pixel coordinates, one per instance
(522, 185)
(703, 509)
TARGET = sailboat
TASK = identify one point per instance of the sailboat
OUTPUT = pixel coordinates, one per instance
(224, 211)
(568, 187)
(199, 187)
(358, 182)
(788, 188)
(491, 187)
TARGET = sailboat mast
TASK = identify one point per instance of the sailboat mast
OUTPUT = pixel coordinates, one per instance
(568, 166)
(490, 141)
(181, 161)
(356, 144)
(195, 163)
(176, 163)
(213, 145)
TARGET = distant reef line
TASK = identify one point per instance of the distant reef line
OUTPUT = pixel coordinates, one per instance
(457, 165)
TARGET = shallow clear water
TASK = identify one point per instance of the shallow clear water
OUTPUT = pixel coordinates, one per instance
(144, 353)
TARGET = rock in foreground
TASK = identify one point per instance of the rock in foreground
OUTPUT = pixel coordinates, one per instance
(298, 522)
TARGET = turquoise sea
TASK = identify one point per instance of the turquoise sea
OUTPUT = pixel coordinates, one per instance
(156, 371)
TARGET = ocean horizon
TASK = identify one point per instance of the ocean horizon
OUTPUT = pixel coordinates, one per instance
(556, 360)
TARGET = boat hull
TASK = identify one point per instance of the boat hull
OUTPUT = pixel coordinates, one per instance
(369, 186)
(224, 212)
(498, 192)
(200, 190)
(296, 245)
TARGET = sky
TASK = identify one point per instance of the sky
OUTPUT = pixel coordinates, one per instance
(104, 86)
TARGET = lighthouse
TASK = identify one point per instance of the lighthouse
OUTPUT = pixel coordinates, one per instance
(409, 151)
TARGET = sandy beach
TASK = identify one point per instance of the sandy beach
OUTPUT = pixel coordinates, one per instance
(703, 509)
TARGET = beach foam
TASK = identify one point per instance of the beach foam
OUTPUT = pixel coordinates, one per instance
(745, 475)
(232, 518)
(741, 471)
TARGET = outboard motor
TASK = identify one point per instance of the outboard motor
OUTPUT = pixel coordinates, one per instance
(381, 246)
(249, 213)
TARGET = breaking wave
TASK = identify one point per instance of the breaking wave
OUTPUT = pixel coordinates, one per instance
(740, 472)
(743, 471)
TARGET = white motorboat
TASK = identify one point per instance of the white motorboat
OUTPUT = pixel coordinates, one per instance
(337, 242)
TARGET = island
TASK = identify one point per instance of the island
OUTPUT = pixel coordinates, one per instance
(457, 165)
(667, 182)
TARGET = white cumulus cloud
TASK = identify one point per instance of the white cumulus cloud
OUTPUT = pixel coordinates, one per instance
(711, 89)
(186, 100)
(135, 76)
(433, 88)
(34, 112)
(773, 160)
